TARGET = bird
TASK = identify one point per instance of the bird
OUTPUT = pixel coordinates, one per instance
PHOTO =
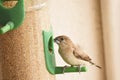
(72, 54)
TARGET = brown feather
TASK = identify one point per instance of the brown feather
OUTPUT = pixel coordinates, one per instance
(81, 55)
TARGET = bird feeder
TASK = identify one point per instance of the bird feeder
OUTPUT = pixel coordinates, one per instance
(21, 49)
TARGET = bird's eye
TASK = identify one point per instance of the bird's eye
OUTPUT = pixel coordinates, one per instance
(62, 39)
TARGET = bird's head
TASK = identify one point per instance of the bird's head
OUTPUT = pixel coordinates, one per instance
(62, 40)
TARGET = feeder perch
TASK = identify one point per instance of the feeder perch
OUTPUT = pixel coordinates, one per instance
(11, 18)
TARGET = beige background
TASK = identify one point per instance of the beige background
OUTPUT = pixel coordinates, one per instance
(111, 29)
(81, 21)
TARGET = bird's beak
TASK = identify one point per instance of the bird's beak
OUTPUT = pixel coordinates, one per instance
(56, 41)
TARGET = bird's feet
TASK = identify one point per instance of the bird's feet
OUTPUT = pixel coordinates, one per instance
(80, 66)
(65, 68)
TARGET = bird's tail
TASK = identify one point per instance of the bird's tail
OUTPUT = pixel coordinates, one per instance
(95, 65)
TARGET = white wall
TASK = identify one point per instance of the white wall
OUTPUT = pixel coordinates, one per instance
(80, 20)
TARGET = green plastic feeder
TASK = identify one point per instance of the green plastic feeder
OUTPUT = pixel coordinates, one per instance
(50, 56)
(11, 18)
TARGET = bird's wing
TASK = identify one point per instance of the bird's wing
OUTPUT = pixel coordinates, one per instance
(78, 53)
